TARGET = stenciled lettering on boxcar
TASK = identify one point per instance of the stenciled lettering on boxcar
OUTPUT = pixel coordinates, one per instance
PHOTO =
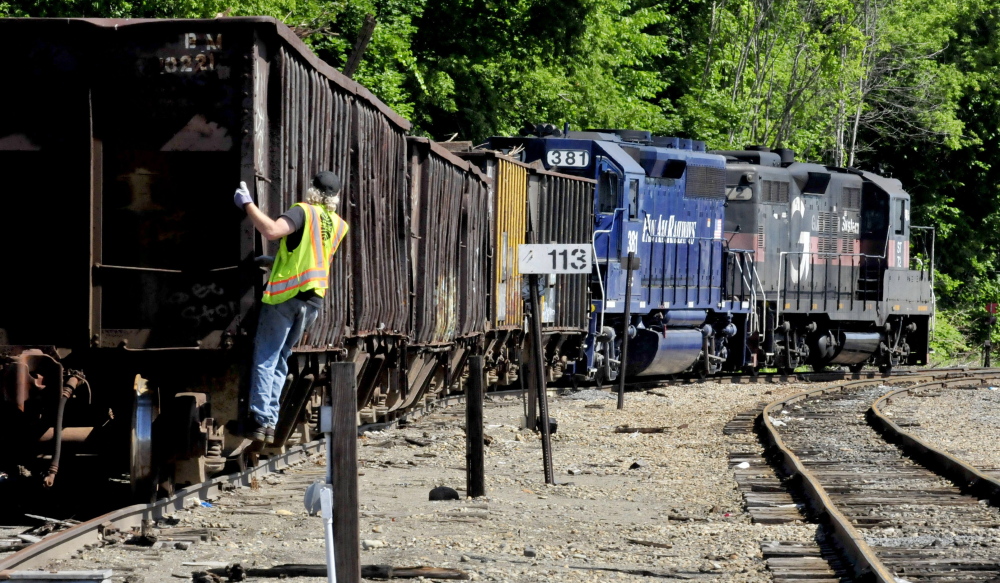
(204, 60)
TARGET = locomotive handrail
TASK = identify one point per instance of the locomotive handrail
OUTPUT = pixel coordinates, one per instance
(747, 255)
(607, 263)
(781, 268)
(933, 231)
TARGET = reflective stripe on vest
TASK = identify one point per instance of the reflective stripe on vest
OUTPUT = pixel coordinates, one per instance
(307, 267)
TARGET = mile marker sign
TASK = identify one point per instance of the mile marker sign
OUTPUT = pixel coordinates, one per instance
(554, 258)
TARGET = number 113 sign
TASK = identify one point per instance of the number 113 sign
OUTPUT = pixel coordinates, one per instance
(554, 258)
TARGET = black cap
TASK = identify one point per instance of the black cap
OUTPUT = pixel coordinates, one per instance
(327, 182)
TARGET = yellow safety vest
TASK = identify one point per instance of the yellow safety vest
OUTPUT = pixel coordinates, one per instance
(308, 266)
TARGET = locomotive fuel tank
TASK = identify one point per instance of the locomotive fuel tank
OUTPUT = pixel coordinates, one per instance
(662, 353)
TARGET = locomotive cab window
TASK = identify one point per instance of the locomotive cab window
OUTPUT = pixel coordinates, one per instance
(901, 217)
(874, 213)
(607, 192)
(633, 199)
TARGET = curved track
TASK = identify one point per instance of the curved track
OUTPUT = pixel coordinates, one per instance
(894, 516)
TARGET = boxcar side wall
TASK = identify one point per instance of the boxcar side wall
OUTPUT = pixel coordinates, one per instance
(159, 121)
(449, 253)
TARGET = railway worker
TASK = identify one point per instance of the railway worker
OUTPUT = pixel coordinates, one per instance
(310, 234)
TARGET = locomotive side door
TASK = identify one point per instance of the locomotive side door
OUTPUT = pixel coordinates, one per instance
(898, 251)
(609, 187)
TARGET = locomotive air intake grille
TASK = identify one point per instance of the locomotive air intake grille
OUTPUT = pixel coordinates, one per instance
(706, 181)
(774, 191)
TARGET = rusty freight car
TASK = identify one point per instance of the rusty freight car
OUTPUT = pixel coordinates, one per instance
(124, 141)
(531, 202)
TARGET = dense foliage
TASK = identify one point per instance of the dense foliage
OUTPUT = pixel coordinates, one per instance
(902, 87)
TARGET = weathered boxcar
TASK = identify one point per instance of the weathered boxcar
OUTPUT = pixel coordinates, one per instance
(534, 204)
(446, 230)
(125, 140)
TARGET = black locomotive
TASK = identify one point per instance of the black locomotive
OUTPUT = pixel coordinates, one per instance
(832, 274)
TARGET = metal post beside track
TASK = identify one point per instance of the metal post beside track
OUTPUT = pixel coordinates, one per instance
(538, 368)
(633, 263)
(341, 427)
(534, 259)
(475, 458)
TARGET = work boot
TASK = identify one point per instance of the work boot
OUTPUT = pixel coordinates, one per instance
(254, 431)
(269, 435)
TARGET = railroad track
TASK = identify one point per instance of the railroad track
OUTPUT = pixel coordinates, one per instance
(895, 511)
(64, 542)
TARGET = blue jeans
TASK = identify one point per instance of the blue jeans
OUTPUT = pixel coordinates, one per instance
(279, 329)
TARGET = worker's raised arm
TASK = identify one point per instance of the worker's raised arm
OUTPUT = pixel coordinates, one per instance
(272, 230)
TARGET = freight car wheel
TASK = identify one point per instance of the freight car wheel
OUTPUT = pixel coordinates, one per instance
(856, 368)
(141, 471)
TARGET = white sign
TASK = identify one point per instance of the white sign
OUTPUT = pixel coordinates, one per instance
(568, 158)
(554, 258)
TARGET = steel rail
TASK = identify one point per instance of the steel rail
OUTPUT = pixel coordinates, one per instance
(863, 560)
(67, 541)
(801, 377)
(960, 472)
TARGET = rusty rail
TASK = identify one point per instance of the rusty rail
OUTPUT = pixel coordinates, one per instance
(862, 558)
(939, 460)
(68, 541)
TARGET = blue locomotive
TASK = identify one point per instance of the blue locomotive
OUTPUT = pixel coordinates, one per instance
(662, 201)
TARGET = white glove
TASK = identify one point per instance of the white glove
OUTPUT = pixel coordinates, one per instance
(242, 196)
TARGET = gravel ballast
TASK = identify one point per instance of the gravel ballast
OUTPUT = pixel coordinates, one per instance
(964, 422)
(627, 502)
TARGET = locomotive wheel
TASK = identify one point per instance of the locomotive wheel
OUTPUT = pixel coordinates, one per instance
(856, 368)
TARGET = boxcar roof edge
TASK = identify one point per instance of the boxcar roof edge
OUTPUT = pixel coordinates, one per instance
(283, 31)
(529, 167)
(449, 156)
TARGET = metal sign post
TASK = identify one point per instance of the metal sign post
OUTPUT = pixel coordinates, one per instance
(538, 368)
(991, 309)
(475, 456)
(632, 264)
(535, 259)
(338, 497)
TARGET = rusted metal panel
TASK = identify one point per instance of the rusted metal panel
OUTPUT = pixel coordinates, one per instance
(510, 198)
(160, 120)
(565, 213)
(378, 217)
(507, 229)
(449, 247)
